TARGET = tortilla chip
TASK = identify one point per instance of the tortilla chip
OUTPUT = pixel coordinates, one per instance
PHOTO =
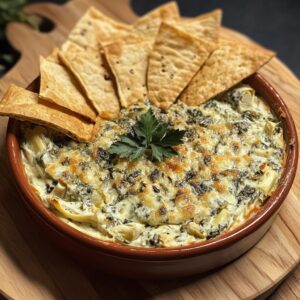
(129, 62)
(205, 26)
(228, 65)
(59, 86)
(89, 67)
(215, 14)
(53, 56)
(148, 25)
(174, 60)
(26, 106)
(94, 27)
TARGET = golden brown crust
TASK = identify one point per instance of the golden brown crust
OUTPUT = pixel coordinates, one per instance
(26, 106)
(91, 70)
(206, 27)
(59, 86)
(94, 28)
(148, 25)
(129, 63)
(229, 64)
(175, 58)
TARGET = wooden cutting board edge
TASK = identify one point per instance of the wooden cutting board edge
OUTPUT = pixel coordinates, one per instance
(27, 69)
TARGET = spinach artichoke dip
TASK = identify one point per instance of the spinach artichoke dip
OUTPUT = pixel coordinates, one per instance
(230, 160)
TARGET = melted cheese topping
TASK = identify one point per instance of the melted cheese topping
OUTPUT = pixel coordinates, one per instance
(230, 162)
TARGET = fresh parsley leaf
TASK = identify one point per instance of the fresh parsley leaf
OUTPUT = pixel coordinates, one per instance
(148, 135)
(121, 149)
(172, 137)
(125, 150)
(159, 153)
(146, 125)
(160, 132)
(139, 152)
(129, 140)
(138, 132)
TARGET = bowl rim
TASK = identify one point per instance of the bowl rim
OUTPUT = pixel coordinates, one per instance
(270, 207)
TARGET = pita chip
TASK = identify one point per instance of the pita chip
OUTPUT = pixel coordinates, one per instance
(59, 86)
(227, 66)
(94, 27)
(215, 14)
(174, 60)
(27, 106)
(129, 63)
(148, 25)
(91, 70)
(205, 26)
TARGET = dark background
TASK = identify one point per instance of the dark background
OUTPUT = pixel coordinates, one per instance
(273, 23)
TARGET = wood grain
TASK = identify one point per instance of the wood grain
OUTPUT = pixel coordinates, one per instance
(32, 268)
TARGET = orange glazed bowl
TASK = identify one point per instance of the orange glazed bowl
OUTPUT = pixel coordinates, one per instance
(170, 262)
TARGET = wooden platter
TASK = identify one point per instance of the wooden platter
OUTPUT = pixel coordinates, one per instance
(32, 268)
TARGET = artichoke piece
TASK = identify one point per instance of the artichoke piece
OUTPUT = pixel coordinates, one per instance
(59, 190)
(128, 232)
(195, 230)
(74, 213)
(268, 181)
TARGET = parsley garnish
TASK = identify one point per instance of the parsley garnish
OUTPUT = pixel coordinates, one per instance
(12, 11)
(148, 136)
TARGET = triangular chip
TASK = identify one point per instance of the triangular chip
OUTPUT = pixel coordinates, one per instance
(129, 63)
(53, 56)
(148, 25)
(59, 86)
(205, 26)
(94, 27)
(174, 60)
(228, 65)
(26, 106)
(89, 67)
(215, 15)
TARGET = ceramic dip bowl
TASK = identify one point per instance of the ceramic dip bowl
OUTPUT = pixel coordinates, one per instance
(158, 263)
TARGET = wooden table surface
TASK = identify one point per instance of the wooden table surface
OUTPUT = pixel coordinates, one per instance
(32, 268)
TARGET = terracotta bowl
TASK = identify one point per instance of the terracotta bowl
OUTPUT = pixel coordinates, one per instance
(162, 262)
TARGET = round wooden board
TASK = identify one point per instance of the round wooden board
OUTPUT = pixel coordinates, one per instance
(30, 268)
